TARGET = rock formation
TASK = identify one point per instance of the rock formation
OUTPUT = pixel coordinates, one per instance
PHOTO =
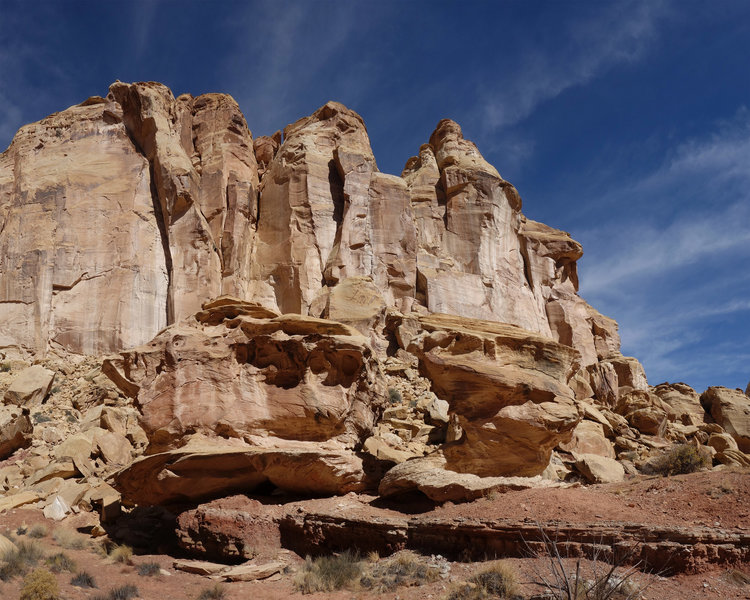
(277, 311)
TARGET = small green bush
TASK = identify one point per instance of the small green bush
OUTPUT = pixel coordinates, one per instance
(40, 584)
(329, 573)
(83, 580)
(5, 367)
(124, 592)
(38, 531)
(681, 459)
(394, 396)
(60, 562)
(215, 592)
(149, 569)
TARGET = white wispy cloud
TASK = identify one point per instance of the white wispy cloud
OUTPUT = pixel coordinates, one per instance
(274, 73)
(671, 280)
(621, 32)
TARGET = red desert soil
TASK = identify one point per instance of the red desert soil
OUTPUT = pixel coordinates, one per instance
(715, 498)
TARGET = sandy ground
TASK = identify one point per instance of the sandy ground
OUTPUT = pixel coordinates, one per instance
(715, 498)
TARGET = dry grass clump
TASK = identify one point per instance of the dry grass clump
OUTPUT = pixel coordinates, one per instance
(38, 531)
(83, 580)
(121, 554)
(497, 580)
(60, 562)
(737, 577)
(18, 561)
(40, 584)
(124, 592)
(681, 459)
(215, 592)
(329, 573)
(404, 568)
(149, 569)
(69, 539)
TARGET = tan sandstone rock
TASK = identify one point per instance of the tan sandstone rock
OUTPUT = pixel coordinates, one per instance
(288, 377)
(599, 469)
(15, 430)
(508, 388)
(430, 476)
(730, 409)
(30, 386)
(202, 472)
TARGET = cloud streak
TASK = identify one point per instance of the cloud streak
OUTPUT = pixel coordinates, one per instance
(620, 33)
(672, 282)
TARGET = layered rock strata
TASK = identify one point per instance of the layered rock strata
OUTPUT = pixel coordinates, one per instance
(143, 206)
(249, 396)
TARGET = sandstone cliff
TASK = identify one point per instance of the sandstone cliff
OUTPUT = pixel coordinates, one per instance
(123, 214)
(263, 299)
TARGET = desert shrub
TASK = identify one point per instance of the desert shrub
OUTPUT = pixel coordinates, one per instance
(600, 580)
(60, 562)
(215, 592)
(18, 561)
(40, 418)
(124, 592)
(22, 529)
(40, 584)
(83, 580)
(394, 396)
(5, 367)
(121, 554)
(38, 531)
(737, 577)
(329, 573)
(404, 568)
(69, 539)
(497, 580)
(681, 459)
(149, 569)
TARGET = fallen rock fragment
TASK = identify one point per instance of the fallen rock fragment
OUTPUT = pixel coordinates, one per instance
(15, 430)
(599, 469)
(30, 387)
(731, 410)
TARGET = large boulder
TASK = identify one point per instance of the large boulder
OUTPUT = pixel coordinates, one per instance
(508, 388)
(730, 409)
(681, 402)
(209, 470)
(30, 386)
(236, 372)
(15, 430)
(430, 476)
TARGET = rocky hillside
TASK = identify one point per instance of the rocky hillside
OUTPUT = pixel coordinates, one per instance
(208, 313)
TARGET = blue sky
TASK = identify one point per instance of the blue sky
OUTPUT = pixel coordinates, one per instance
(626, 123)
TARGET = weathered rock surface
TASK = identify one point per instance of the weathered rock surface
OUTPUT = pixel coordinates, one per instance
(236, 371)
(15, 430)
(30, 386)
(731, 410)
(429, 476)
(599, 469)
(154, 201)
(508, 388)
(295, 396)
(206, 471)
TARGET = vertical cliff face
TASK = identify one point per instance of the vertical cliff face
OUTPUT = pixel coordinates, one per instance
(125, 213)
(205, 180)
(81, 260)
